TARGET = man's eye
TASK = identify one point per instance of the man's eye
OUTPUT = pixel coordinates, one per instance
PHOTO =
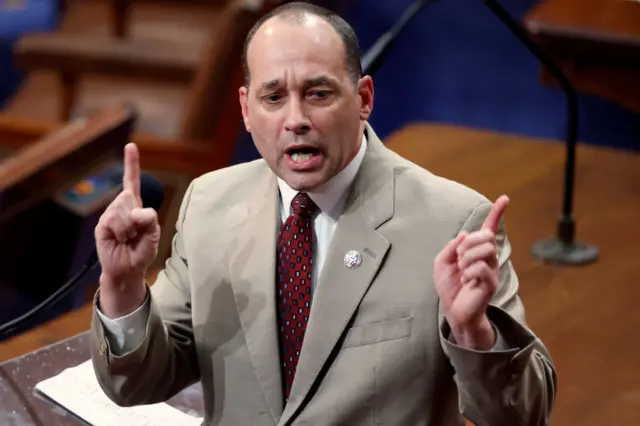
(319, 94)
(272, 98)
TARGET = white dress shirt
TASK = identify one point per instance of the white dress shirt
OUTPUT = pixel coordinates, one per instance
(125, 333)
(330, 199)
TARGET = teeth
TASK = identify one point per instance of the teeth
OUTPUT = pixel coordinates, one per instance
(299, 157)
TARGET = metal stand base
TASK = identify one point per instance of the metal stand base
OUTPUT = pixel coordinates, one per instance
(556, 251)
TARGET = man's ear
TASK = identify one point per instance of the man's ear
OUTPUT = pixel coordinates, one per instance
(365, 90)
(242, 95)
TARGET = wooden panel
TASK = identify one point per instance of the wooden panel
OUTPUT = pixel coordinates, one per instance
(186, 157)
(597, 43)
(214, 96)
(68, 53)
(611, 23)
(149, 20)
(591, 18)
(160, 103)
(62, 143)
(619, 85)
(166, 110)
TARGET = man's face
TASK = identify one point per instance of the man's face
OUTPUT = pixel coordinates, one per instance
(304, 112)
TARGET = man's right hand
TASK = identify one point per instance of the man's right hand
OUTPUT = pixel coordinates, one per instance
(127, 237)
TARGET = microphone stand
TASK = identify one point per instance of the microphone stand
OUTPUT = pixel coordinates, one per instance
(374, 57)
(563, 249)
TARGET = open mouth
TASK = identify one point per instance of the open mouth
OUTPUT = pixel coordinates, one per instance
(301, 154)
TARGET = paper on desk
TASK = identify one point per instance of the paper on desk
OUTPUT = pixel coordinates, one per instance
(77, 390)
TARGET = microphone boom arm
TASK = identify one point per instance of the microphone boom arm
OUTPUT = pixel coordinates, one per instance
(563, 248)
(373, 58)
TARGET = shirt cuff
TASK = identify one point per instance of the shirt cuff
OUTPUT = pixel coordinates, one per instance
(126, 333)
(499, 345)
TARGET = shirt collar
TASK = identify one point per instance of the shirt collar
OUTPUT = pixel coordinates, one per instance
(332, 194)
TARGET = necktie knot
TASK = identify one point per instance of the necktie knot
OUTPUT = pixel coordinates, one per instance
(303, 205)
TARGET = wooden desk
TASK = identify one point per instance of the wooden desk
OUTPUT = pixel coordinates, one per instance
(597, 43)
(21, 405)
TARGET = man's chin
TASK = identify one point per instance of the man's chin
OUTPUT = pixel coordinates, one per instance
(304, 181)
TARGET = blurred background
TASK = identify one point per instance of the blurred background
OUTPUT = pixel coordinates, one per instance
(458, 94)
(454, 63)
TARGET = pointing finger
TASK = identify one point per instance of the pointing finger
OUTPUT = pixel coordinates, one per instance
(492, 222)
(131, 176)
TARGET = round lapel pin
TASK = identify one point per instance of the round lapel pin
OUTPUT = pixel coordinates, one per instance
(352, 259)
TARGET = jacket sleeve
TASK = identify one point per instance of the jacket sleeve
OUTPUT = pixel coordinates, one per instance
(124, 334)
(515, 382)
(164, 361)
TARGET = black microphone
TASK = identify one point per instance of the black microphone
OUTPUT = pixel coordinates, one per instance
(152, 194)
(373, 58)
(563, 248)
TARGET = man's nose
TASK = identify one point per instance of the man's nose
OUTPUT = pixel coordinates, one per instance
(297, 121)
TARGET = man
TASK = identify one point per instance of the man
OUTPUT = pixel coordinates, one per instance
(329, 283)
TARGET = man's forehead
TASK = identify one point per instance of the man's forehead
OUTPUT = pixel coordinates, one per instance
(282, 34)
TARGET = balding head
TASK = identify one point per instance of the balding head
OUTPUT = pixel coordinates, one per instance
(306, 14)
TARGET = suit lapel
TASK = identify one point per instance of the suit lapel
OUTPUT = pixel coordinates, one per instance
(252, 274)
(340, 289)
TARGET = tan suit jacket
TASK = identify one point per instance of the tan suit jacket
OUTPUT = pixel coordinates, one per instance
(376, 351)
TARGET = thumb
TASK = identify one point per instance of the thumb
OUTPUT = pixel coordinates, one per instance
(449, 253)
(146, 220)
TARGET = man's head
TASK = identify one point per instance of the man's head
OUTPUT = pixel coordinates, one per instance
(304, 100)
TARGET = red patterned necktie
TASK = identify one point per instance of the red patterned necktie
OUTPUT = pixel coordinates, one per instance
(295, 250)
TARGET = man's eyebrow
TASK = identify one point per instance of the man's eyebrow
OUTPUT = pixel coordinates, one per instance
(270, 85)
(322, 80)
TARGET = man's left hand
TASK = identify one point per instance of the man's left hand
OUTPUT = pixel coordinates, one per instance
(466, 279)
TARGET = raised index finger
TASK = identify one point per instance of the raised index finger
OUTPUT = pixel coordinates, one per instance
(492, 221)
(131, 176)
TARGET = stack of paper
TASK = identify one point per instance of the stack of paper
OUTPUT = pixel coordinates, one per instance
(77, 390)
